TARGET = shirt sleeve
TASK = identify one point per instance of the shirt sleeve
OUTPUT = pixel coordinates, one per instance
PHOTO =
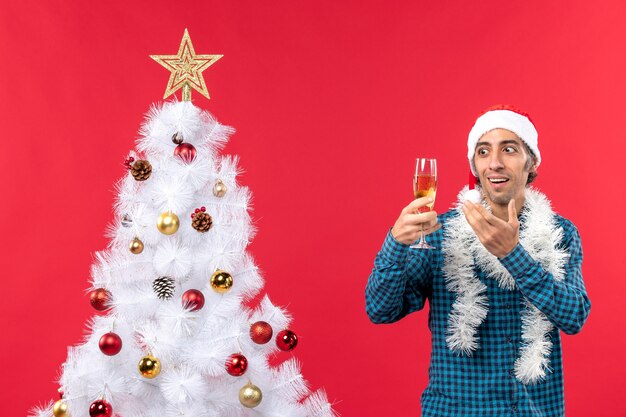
(397, 286)
(564, 302)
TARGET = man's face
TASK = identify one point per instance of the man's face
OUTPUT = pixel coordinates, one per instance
(500, 160)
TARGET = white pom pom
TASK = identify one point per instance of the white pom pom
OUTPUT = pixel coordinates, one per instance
(474, 196)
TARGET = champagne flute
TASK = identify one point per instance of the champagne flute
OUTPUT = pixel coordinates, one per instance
(425, 185)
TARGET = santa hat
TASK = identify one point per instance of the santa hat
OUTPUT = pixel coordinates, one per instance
(502, 117)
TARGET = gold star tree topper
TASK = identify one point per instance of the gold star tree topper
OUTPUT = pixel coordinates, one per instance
(186, 69)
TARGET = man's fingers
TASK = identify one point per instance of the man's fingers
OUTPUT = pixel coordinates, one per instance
(417, 218)
(467, 211)
(415, 223)
(491, 219)
(472, 215)
(475, 219)
(432, 229)
(426, 230)
(417, 203)
(410, 223)
(512, 213)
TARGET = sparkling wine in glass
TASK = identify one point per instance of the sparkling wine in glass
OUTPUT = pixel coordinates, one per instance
(425, 185)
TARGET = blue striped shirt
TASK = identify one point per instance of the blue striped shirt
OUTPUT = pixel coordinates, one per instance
(483, 384)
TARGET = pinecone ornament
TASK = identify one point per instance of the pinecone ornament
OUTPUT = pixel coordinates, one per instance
(141, 170)
(163, 287)
(201, 220)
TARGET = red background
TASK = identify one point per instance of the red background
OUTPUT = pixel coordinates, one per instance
(332, 102)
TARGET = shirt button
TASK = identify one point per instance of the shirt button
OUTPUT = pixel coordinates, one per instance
(507, 306)
(511, 372)
(509, 339)
(514, 408)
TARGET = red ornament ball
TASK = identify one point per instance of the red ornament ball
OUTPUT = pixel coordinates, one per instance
(110, 344)
(261, 332)
(286, 340)
(100, 299)
(100, 408)
(129, 161)
(193, 300)
(236, 364)
(186, 152)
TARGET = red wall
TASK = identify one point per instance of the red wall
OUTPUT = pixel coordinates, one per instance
(332, 102)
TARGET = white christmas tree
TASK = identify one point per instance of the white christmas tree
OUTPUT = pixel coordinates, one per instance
(174, 336)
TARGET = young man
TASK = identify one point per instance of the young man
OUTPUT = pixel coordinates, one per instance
(504, 278)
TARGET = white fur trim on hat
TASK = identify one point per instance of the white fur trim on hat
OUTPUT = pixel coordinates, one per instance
(503, 119)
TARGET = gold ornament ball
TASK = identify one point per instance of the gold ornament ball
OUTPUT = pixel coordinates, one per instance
(219, 189)
(149, 367)
(60, 409)
(168, 223)
(136, 246)
(250, 395)
(221, 281)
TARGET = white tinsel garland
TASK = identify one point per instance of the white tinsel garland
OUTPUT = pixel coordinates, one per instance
(462, 250)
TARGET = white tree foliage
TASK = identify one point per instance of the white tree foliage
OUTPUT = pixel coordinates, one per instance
(192, 346)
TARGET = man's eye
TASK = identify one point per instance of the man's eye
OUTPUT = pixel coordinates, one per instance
(482, 152)
(510, 149)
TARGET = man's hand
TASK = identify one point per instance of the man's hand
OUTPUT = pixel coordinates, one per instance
(496, 235)
(411, 222)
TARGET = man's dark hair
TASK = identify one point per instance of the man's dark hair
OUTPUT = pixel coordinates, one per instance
(529, 164)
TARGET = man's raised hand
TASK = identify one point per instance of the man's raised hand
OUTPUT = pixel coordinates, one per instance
(409, 225)
(496, 235)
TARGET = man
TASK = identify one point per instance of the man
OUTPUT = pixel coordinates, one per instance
(503, 279)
